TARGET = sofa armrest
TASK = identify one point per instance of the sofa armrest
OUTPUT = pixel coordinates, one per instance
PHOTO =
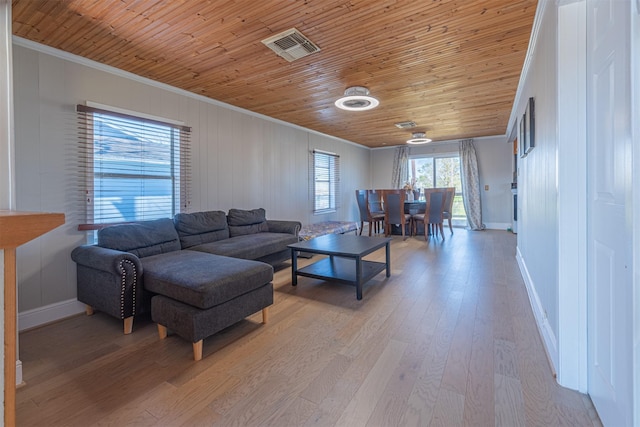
(109, 280)
(104, 259)
(289, 227)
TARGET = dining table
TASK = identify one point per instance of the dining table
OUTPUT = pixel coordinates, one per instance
(414, 207)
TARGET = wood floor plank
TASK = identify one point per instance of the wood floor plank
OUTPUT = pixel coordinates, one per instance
(533, 375)
(457, 369)
(295, 412)
(509, 404)
(135, 408)
(424, 395)
(449, 409)
(260, 403)
(205, 418)
(479, 397)
(176, 406)
(320, 387)
(448, 339)
(394, 399)
(505, 359)
(363, 402)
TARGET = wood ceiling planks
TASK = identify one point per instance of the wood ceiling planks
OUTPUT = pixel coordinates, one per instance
(451, 66)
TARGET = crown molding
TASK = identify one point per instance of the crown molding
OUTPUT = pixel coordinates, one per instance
(533, 40)
(447, 142)
(38, 47)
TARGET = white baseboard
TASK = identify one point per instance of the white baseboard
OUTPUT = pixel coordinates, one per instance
(49, 313)
(497, 225)
(18, 372)
(487, 225)
(546, 332)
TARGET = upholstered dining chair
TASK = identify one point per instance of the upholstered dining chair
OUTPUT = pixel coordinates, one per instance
(374, 198)
(448, 205)
(375, 221)
(393, 202)
(433, 217)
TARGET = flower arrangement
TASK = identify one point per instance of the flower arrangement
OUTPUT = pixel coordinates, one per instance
(410, 185)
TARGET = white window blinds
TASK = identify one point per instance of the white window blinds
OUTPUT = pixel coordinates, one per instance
(325, 170)
(132, 168)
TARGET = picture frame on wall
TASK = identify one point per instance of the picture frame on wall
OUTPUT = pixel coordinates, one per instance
(529, 128)
(521, 136)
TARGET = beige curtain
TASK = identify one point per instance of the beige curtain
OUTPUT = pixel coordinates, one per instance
(400, 172)
(470, 184)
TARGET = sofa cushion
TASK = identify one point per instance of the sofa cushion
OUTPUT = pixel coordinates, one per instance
(243, 222)
(249, 246)
(143, 239)
(201, 227)
(203, 280)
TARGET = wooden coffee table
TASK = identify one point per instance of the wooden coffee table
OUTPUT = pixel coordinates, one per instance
(345, 263)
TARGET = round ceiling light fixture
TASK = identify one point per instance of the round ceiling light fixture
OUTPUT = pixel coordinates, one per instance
(357, 98)
(418, 138)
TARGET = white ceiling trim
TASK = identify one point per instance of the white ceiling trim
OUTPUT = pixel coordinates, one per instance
(451, 141)
(533, 40)
(19, 41)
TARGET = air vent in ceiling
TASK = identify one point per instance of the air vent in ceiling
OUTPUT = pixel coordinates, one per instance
(291, 45)
(406, 125)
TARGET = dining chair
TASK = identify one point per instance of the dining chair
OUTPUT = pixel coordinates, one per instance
(432, 218)
(393, 202)
(365, 213)
(374, 198)
(448, 205)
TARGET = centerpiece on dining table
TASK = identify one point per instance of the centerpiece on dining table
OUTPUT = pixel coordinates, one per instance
(412, 193)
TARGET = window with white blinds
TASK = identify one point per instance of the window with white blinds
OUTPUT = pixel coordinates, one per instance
(325, 168)
(132, 168)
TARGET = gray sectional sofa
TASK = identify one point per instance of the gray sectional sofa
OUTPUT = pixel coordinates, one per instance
(197, 273)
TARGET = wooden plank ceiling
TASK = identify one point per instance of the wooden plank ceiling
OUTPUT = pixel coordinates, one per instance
(450, 66)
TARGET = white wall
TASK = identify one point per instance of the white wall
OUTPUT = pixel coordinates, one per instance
(538, 253)
(239, 159)
(494, 166)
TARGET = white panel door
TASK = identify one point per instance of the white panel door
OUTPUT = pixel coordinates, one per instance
(609, 230)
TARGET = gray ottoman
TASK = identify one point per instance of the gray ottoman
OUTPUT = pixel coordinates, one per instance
(199, 294)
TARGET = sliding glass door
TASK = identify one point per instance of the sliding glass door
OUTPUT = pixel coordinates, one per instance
(436, 172)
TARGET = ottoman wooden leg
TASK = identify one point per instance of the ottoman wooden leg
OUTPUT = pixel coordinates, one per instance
(128, 325)
(197, 350)
(265, 315)
(162, 331)
(88, 310)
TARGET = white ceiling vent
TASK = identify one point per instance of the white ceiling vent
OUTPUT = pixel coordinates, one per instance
(406, 125)
(291, 45)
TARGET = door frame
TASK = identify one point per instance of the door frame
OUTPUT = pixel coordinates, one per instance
(572, 197)
(635, 203)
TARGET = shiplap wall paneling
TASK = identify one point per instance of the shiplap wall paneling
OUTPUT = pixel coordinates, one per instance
(239, 160)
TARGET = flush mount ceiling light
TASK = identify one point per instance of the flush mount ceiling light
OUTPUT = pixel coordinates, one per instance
(418, 138)
(357, 98)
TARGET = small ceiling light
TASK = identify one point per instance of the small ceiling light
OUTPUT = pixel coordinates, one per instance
(357, 98)
(418, 138)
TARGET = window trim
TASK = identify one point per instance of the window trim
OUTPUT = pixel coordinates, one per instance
(180, 147)
(334, 181)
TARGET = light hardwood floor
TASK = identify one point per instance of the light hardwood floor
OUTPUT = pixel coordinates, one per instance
(449, 339)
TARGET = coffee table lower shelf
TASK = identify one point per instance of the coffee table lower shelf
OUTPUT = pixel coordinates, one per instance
(341, 270)
(345, 261)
